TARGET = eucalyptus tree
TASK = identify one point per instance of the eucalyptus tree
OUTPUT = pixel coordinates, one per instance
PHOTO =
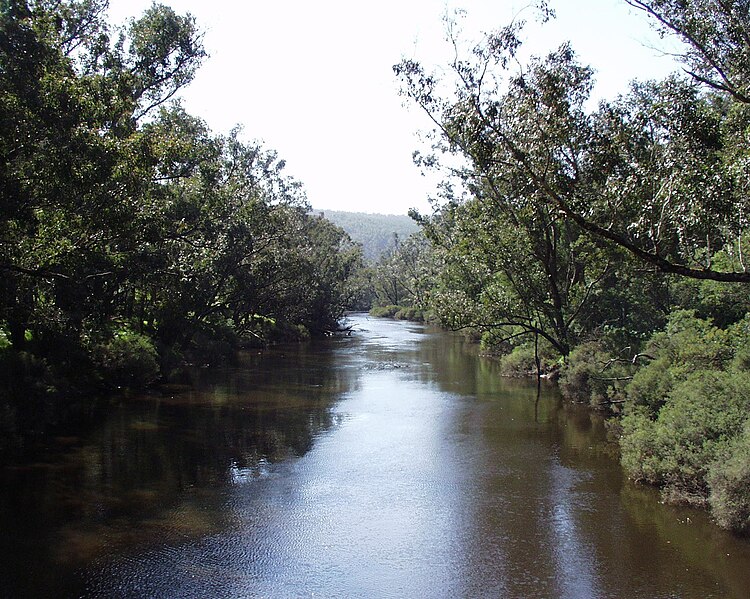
(75, 160)
(405, 273)
(716, 38)
(515, 273)
(658, 172)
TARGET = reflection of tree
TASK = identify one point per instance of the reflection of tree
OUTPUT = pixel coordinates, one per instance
(155, 467)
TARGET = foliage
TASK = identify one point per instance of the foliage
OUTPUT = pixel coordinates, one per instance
(521, 361)
(374, 232)
(617, 233)
(404, 275)
(593, 374)
(384, 311)
(128, 360)
(653, 173)
(398, 312)
(689, 406)
(729, 480)
(122, 211)
(688, 345)
(695, 428)
(521, 272)
(715, 35)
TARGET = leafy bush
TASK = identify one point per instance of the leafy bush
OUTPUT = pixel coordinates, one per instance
(688, 345)
(651, 385)
(692, 344)
(520, 362)
(384, 311)
(400, 312)
(729, 480)
(128, 360)
(23, 374)
(4, 339)
(410, 313)
(592, 374)
(212, 343)
(699, 421)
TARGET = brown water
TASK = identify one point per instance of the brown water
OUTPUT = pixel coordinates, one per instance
(392, 463)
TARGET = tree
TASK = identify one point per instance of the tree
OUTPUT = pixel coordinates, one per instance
(650, 172)
(126, 223)
(519, 272)
(75, 164)
(405, 273)
(716, 37)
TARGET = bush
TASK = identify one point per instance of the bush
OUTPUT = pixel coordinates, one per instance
(384, 311)
(699, 421)
(23, 373)
(4, 339)
(592, 374)
(729, 480)
(651, 385)
(410, 313)
(127, 360)
(520, 362)
(692, 344)
(212, 343)
(400, 312)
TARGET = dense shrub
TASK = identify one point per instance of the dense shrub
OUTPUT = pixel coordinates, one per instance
(521, 362)
(23, 374)
(694, 429)
(384, 311)
(729, 480)
(692, 344)
(127, 360)
(593, 374)
(410, 313)
(400, 312)
(651, 385)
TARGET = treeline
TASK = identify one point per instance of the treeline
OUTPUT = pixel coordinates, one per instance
(376, 233)
(605, 246)
(132, 238)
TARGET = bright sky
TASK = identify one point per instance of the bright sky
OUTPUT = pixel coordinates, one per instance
(314, 80)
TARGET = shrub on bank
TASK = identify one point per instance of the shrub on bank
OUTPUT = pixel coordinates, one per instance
(651, 385)
(729, 480)
(384, 311)
(692, 433)
(399, 312)
(129, 359)
(592, 374)
(686, 424)
(521, 360)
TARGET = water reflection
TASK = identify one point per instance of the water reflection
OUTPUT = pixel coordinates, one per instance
(393, 463)
(149, 471)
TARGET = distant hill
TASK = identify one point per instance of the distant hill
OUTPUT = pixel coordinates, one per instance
(373, 231)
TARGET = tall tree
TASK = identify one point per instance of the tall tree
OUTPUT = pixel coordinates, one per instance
(73, 158)
(649, 173)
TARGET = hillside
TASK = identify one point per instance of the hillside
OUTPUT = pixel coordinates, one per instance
(373, 231)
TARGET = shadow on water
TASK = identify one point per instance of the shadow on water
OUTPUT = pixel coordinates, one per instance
(147, 471)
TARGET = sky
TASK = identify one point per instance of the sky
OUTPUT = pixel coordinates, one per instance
(313, 79)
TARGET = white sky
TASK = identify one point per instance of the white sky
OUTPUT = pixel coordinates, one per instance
(313, 79)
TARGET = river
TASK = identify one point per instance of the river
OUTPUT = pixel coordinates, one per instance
(394, 462)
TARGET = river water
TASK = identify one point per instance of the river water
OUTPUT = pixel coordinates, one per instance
(391, 463)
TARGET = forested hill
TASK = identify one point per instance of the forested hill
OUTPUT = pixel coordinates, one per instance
(373, 231)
